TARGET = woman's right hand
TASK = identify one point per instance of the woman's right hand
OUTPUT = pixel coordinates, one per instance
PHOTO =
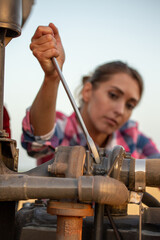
(46, 44)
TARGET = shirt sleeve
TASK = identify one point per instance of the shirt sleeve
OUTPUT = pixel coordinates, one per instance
(40, 146)
(134, 141)
(146, 147)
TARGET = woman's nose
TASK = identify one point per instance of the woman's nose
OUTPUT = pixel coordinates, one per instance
(120, 108)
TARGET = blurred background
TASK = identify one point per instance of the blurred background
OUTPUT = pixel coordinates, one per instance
(93, 32)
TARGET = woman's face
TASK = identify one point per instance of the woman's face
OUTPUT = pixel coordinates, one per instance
(110, 105)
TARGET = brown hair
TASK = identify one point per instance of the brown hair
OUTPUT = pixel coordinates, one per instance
(104, 72)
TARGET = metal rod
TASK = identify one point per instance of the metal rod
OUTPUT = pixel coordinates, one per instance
(140, 220)
(90, 142)
(98, 221)
(2, 61)
(107, 208)
(113, 224)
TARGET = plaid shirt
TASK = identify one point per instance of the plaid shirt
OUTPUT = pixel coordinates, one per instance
(67, 132)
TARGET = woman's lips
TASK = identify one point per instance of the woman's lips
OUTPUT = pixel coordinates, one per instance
(111, 121)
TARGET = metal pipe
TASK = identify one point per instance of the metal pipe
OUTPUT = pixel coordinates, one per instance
(69, 218)
(152, 170)
(69, 228)
(21, 187)
(103, 190)
(2, 62)
(115, 160)
(11, 17)
(149, 200)
(98, 221)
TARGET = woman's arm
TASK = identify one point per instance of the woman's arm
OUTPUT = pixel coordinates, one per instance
(45, 45)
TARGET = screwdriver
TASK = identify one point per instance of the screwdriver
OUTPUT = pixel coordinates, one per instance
(90, 142)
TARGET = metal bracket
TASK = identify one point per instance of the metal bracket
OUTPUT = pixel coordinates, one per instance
(135, 197)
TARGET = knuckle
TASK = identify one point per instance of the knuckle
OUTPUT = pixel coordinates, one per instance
(52, 45)
(49, 37)
(39, 29)
(31, 46)
(36, 53)
(55, 52)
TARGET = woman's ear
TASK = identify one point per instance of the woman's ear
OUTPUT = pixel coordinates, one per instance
(87, 92)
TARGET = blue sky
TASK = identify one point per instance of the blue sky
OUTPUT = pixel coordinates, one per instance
(93, 32)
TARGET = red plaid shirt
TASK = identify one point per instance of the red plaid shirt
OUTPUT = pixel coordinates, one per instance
(67, 132)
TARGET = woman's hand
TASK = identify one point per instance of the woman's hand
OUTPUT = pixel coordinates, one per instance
(46, 44)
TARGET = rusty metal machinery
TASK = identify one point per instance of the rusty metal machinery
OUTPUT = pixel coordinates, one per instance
(13, 14)
(79, 184)
(113, 182)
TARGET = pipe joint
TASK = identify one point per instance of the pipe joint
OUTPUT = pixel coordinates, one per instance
(103, 190)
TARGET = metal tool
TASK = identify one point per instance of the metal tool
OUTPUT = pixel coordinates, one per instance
(90, 141)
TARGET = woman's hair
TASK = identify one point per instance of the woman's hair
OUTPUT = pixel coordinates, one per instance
(105, 71)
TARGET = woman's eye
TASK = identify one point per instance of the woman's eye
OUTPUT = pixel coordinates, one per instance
(130, 106)
(113, 95)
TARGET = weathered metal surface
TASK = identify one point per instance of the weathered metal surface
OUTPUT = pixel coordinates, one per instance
(69, 209)
(151, 215)
(9, 154)
(11, 17)
(69, 218)
(68, 162)
(8, 157)
(103, 190)
(100, 189)
(3, 33)
(34, 222)
(69, 228)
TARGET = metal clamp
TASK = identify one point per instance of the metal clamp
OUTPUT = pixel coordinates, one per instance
(140, 175)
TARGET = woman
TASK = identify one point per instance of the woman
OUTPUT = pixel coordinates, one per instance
(108, 98)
